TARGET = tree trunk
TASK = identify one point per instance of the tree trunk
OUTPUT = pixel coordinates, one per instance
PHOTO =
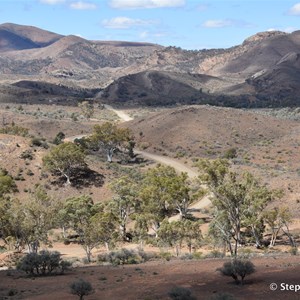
(123, 231)
(68, 179)
(274, 237)
(236, 247)
(290, 236)
(110, 153)
(180, 215)
(230, 248)
(106, 246)
(88, 252)
(257, 241)
(141, 246)
(64, 232)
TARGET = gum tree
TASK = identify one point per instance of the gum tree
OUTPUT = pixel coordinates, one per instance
(65, 159)
(110, 138)
(238, 201)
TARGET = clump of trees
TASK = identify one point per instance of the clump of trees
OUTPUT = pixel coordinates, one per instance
(178, 233)
(91, 222)
(28, 223)
(239, 202)
(278, 219)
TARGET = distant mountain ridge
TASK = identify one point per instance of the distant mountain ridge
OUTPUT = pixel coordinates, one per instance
(263, 71)
(19, 37)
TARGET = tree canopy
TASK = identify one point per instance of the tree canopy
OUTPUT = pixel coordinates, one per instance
(110, 138)
(65, 159)
(238, 202)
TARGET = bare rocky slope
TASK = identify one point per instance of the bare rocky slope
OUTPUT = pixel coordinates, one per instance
(263, 71)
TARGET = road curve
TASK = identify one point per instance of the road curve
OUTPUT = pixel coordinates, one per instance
(121, 114)
(178, 166)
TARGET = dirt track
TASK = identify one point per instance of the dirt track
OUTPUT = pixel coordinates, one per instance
(178, 166)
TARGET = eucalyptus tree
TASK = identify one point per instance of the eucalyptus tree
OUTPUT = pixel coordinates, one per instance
(238, 201)
(66, 159)
(110, 138)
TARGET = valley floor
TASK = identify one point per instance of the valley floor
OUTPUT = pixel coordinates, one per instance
(153, 280)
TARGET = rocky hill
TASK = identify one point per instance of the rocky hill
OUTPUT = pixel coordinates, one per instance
(263, 71)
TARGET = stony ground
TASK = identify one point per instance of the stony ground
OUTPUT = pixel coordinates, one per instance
(153, 281)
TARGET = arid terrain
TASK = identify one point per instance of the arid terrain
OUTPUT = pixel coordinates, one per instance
(38, 66)
(153, 280)
(180, 106)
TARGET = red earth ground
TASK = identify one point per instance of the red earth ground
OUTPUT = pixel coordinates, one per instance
(154, 279)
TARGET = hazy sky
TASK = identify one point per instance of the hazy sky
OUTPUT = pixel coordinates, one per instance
(189, 24)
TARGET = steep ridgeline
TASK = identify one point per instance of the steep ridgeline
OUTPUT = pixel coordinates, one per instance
(263, 71)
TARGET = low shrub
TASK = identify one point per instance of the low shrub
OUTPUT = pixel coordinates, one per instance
(294, 250)
(238, 269)
(166, 255)
(124, 256)
(215, 254)
(222, 296)
(59, 138)
(14, 130)
(39, 142)
(43, 263)
(27, 154)
(181, 293)
(81, 288)
(230, 153)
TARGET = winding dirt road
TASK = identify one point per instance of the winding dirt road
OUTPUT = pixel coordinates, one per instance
(178, 166)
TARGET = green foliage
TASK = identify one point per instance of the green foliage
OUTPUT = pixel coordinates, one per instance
(81, 288)
(28, 223)
(123, 204)
(237, 269)
(87, 109)
(59, 138)
(176, 233)
(90, 221)
(7, 184)
(238, 202)
(230, 153)
(65, 159)
(215, 254)
(43, 263)
(181, 293)
(124, 256)
(39, 142)
(110, 138)
(162, 193)
(278, 220)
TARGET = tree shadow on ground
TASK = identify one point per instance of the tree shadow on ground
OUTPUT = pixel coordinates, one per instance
(82, 178)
